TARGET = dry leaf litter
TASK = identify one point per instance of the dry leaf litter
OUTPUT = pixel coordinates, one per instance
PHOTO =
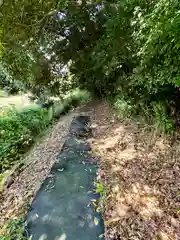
(141, 172)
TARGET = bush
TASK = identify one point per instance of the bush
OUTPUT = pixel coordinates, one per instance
(124, 108)
(156, 114)
(156, 35)
(161, 119)
(72, 100)
(8, 83)
(17, 132)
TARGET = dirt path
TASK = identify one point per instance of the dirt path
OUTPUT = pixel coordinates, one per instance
(141, 173)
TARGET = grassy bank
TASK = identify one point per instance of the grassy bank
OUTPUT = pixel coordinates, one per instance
(22, 129)
(19, 129)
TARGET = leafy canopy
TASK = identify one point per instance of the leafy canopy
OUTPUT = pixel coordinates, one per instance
(125, 48)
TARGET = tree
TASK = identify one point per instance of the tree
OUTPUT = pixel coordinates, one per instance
(54, 31)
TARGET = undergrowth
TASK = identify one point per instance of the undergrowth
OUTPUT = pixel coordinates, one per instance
(19, 129)
(103, 192)
(17, 132)
(155, 114)
(14, 230)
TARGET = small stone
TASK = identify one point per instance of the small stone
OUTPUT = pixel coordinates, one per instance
(115, 189)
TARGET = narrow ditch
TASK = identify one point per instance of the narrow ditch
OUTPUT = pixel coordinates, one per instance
(63, 207)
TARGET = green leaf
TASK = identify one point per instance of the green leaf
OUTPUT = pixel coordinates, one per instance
(96, 221)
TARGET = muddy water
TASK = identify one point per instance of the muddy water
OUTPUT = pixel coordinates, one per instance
(62, 208)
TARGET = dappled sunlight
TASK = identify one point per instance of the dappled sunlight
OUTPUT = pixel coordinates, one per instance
(18, 101)
(164, 236)
(144, 201)
(126, 155)
(134, 200)
(118, 142)
(161, 145)
(142, 172)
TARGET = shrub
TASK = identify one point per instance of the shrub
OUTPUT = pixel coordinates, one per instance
(18, 129)
(124, 108)
(72, 100)
(156, 113)
(17, 132)
(8, 83)
(161, 119)
(156, 35)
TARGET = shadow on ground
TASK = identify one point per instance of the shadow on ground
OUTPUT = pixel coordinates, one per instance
(142, 172)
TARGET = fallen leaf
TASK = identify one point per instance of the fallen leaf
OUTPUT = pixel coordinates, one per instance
(101, 236)
(96, 221)
(112, 220)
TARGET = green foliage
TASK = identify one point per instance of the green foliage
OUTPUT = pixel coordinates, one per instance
(41, 39)
(19, 129)
(14, 229)
(156, 35)
(124, 108)
(156, 114)
(8, 83)
(128, 48)
(100, 189)
(72, 100)
(162, 121)
(17, 133)
(77, 96)
(153, 48)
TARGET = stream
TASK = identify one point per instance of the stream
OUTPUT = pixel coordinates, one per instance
(63, 207)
